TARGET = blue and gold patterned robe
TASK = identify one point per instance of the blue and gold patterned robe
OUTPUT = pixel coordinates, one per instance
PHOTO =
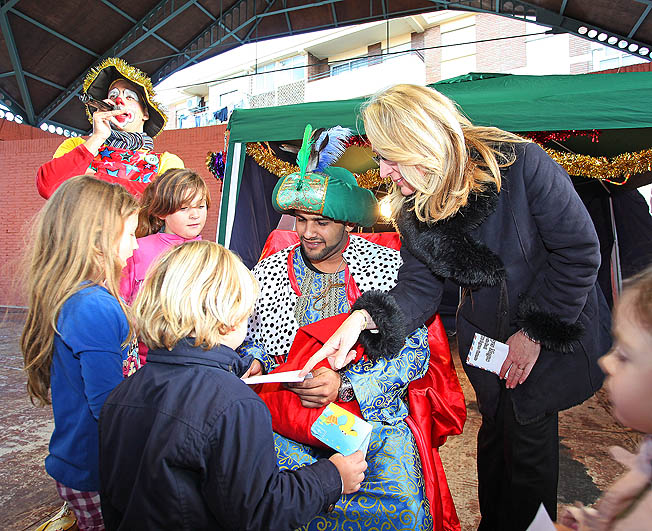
(392, 493)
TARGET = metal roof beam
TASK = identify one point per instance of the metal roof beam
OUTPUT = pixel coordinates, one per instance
(149, 32)
(6, 5)
(46, 81)
(287, 19)
(520, 10)
(563, 7)
(13, 104)
(115, 51)
(134, 21)
(7, 74)
(171, 67)
(18, 70)
(215, 20)
(55, 33)
(642, 17)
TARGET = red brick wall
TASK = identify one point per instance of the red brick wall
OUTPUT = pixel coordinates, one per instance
(23, 149)
(13, 131)
(641, 67)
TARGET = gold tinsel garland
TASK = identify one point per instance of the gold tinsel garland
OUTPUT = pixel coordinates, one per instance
(264, 157)
(616, 170)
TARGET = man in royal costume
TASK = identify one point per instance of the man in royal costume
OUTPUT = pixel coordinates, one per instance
(321, 277)
(120, 148)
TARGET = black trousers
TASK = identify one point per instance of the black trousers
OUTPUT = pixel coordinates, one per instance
(518, 468)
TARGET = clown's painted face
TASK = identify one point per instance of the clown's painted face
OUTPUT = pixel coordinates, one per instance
(125, 94)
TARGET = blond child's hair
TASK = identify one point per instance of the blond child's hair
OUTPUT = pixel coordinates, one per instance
(639, 291)
(170, 192)
(73, 239)
(198, 289)
(417, 127)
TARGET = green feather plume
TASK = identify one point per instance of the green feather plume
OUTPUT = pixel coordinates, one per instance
(304, 153)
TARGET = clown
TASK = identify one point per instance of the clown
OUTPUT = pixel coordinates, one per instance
(120, 147)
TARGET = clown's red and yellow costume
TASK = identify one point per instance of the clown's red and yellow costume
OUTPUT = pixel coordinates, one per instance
(132, 169)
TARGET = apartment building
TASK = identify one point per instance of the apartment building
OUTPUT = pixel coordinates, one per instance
(359, 60)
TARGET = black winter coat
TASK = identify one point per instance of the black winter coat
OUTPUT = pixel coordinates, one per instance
(186, 445)
(526, 258)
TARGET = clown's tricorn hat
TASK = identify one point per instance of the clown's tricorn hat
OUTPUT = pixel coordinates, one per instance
(318, 188)
(99, 79)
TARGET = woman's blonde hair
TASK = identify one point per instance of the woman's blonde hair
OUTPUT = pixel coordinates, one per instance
(170, 192)
(421, 129)
(74, 238)
(198, 289)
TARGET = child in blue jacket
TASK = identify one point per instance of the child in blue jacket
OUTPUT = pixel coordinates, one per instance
(77, 340)
(184, 443)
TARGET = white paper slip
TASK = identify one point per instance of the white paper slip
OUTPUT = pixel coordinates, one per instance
(487, 353)
(542, 521)
(288, 376)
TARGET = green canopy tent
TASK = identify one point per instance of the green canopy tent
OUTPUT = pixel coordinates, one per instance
(617, 104)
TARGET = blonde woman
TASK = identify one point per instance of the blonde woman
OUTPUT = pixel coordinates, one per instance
(494, 214)
(77, 341)
(185, 444)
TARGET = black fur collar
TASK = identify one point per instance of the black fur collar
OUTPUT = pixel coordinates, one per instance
(447, 247)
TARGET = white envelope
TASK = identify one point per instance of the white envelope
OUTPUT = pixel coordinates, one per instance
(288, 376)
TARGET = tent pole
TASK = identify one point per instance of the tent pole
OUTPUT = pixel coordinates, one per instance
(616, 273)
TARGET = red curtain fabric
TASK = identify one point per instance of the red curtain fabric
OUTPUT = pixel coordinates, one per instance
(289, 417)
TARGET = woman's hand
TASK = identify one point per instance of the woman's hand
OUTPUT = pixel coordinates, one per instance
(523, 354)
(338, 348)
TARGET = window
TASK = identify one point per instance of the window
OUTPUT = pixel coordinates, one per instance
(291, 70)
(264, 79)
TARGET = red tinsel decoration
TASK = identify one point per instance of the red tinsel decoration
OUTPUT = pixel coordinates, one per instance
(360, 141)
(543, 137)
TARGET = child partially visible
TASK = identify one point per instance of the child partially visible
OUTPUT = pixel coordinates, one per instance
(77, 341)
(627, 504)
(173, 211)
(184, 443)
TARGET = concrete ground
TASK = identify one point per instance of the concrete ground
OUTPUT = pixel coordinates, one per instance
(28, 495)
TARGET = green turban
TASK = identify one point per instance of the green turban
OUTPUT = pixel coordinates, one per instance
(333, 192)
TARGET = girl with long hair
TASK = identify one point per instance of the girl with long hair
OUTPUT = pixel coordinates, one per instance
(77, 342)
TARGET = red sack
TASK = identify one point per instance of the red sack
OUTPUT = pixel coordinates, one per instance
(289, 417)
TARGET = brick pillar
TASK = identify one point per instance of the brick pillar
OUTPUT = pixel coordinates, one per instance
(499, 56)
(373, 52)
(316, 66)
(432, 56)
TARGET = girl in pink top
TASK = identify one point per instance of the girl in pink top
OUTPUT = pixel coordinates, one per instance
(173, 211)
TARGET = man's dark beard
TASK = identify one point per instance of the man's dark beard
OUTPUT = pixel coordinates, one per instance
(326, 252)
